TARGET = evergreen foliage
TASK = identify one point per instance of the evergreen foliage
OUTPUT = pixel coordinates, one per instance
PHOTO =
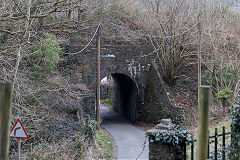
(44, 57)
(225, 96)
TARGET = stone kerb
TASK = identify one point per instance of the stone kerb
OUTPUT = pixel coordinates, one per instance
(158, 150)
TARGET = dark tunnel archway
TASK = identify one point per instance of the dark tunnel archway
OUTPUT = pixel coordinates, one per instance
(125, 96)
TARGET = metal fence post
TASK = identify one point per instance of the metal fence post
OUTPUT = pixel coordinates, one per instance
(216, 143)
(223, 143)
(185, 151)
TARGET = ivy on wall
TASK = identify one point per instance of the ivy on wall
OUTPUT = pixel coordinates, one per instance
(235, 133)
(175, 138)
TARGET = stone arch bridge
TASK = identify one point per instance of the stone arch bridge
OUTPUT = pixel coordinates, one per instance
(139, 92)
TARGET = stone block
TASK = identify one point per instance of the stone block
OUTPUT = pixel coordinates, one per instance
(158, 150)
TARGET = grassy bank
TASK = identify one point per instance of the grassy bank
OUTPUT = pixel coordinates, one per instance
(104, 146)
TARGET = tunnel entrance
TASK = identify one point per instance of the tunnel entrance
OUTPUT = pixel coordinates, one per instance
(125, 96)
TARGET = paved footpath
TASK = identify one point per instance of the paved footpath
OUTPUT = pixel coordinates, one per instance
(129, 140)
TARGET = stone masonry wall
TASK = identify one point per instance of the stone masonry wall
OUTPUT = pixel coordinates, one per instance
(157, 105)
(160, 150)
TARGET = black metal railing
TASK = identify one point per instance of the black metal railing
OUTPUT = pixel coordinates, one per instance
(217, 146)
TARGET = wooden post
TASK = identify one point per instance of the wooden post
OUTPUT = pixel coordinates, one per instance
(199, 59)
(98, 80)
(203, 128)
(5, 116)
(208, 147)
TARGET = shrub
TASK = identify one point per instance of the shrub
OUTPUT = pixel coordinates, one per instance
(224, 94)
(205, 77)
(89, 129)
(109, 101)
(44, 58)
(225, 76)
(223, 81)
(71, 148)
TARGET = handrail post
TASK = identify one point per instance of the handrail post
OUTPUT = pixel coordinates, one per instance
(5, 116)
